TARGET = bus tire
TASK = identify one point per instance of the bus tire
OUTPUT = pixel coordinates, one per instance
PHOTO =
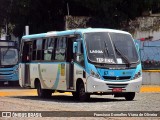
(43, 93)
(82, 95)
(129, 96)
(75, 95)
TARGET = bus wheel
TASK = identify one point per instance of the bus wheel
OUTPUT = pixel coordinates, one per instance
(75, 95)
(43, 93)
(82, 95)
(129, 96)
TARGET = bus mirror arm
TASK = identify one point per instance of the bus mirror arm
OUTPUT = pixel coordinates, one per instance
(137, 46)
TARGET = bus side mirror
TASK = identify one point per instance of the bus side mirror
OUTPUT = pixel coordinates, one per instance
(137, 44)
(137, 47)
(75, 46)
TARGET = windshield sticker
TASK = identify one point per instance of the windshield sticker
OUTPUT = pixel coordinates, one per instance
(119, 60)
(96, 51)
(104, 60)
(79, 72)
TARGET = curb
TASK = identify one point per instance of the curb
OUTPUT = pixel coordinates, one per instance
(150, 88)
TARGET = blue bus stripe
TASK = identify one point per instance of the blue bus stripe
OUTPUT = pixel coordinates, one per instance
(57, 78)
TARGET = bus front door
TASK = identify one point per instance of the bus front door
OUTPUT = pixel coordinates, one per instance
(70, 65)
(25, 66)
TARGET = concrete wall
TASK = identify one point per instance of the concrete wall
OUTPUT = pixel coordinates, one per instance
(151, 78)
(143, 27)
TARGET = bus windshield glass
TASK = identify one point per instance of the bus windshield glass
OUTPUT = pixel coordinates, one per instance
(9, 56)
(111, 48)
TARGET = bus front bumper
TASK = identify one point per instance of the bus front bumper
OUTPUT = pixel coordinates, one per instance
(98, 85)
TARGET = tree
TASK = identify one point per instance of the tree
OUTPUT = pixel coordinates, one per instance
(48, 15)
(4, 12)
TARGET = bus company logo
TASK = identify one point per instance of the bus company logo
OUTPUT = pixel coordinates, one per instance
(111, 73)
(105, 72)
(6, 114)
(117, 78)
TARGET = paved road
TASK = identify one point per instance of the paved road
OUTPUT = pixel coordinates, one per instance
(17, 99)
(18, 91)
(142, 102)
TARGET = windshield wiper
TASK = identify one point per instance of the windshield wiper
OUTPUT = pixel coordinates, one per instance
(122, 55)
(106, 48)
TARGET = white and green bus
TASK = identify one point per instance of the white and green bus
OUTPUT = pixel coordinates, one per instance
(82, 61)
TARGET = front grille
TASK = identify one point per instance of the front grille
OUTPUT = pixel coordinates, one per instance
(116, 85)
(5, 78)
(6, 73)
(116, 78)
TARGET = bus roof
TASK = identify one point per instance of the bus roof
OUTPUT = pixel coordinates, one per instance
(71, 32)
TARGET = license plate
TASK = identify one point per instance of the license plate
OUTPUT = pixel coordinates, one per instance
(117, 90)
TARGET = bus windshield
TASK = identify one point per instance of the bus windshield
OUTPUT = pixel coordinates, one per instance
(9, 56)
(111, 48)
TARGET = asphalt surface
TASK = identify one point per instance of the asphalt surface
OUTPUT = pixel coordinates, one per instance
(18, 99)
(18, 91)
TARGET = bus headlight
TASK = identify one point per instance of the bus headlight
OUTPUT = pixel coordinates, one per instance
(137, 75)
(96, 75)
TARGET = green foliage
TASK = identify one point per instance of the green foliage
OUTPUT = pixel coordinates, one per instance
(48, 15)
(40, 15)
(4, 12)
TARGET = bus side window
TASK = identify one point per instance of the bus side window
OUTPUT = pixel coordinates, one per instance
(34, 50)
(48, 49)
(26, 53)
(60, 51)
(39, 49)
(69, 52)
